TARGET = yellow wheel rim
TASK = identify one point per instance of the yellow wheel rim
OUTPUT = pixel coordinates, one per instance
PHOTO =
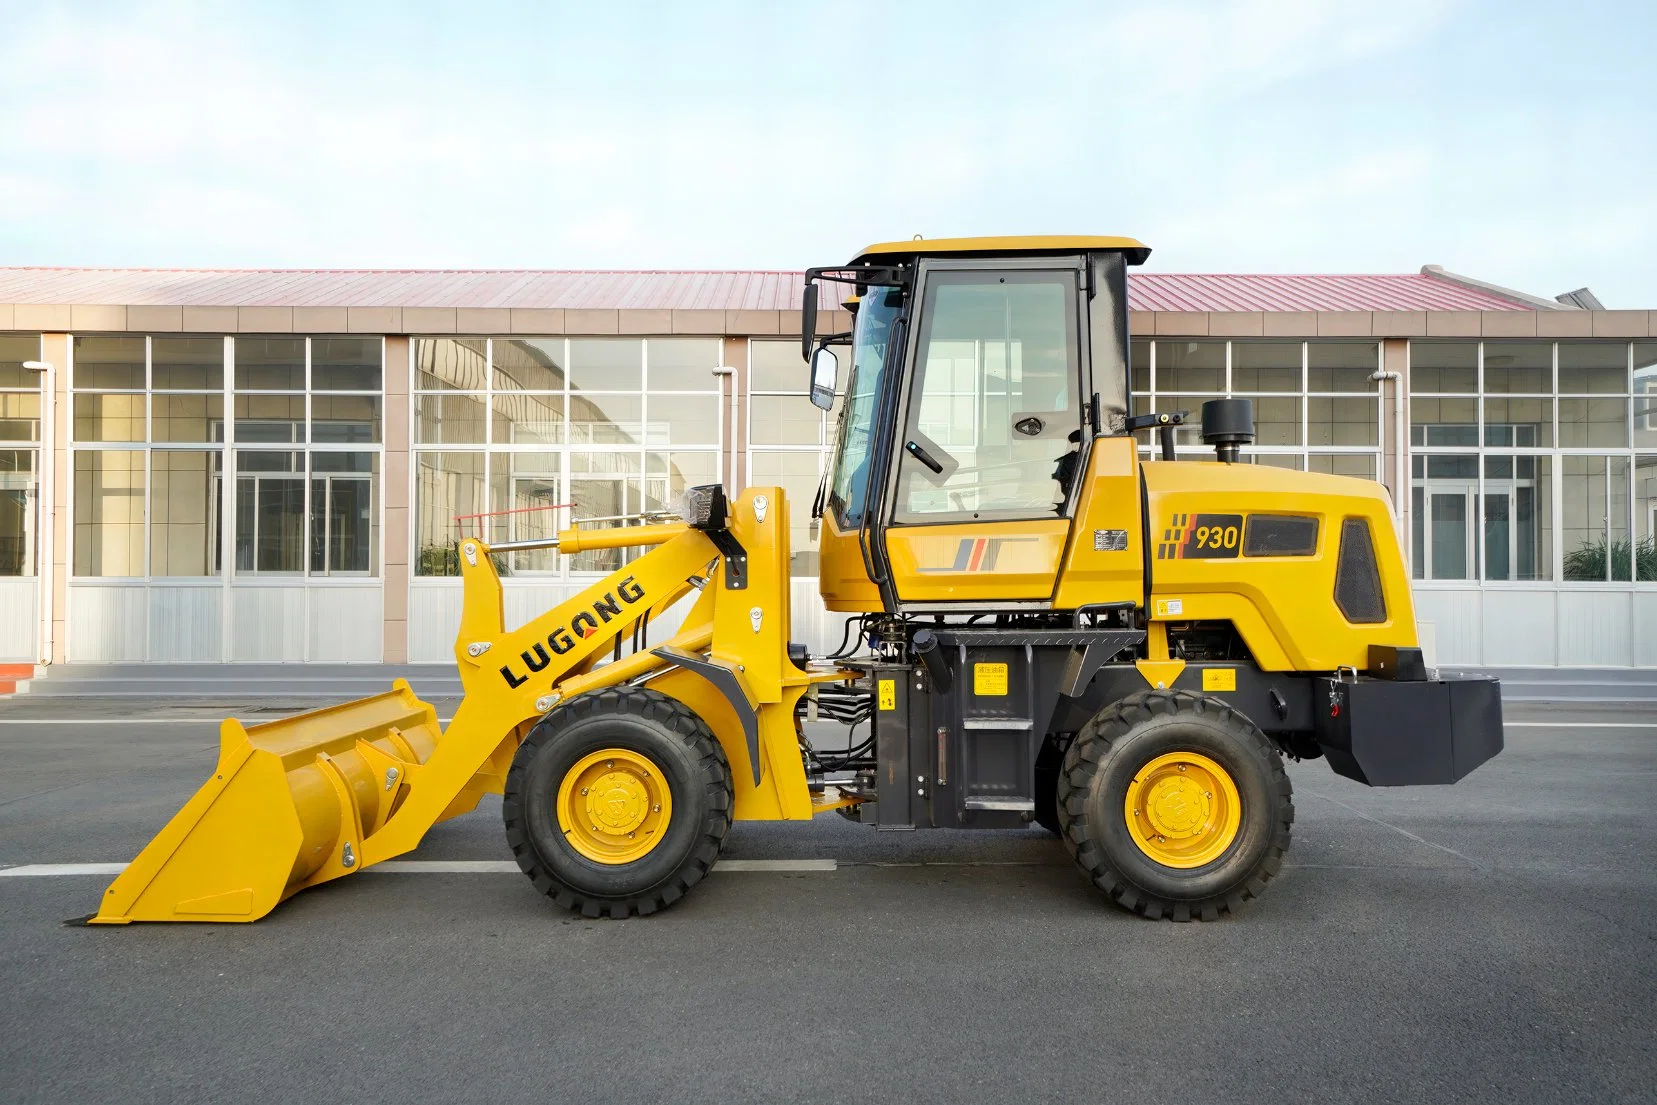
(614, 806)
(1183, 810)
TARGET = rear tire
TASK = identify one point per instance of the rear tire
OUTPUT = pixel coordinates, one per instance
(1211, 806)
(639, 861)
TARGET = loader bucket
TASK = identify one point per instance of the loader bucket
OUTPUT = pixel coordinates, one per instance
(287, 807)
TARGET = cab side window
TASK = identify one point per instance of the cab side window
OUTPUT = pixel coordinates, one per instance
(995, 410)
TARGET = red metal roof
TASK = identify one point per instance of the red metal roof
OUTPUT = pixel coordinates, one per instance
(666, 290)
(1157, 291)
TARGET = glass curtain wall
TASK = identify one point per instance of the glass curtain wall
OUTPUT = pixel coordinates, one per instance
(19, 454)
(1315, 406)
(515, 437)
(158, 467)
(789, 440)
(1495, 425)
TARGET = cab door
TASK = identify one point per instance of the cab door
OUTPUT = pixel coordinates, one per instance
(989, 454)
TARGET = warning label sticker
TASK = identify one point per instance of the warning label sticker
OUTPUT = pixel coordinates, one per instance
(989, 679)
(888, 694)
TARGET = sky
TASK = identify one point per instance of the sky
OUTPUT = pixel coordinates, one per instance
(1510, 141)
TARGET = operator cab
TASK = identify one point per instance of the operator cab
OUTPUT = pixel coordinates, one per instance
(981, 370)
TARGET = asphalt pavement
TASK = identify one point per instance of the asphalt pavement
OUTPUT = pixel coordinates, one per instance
(1491, 941)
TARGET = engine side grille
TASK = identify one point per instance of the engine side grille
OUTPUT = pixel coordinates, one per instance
(1357, 579)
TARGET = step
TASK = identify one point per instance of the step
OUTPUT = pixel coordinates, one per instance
(15, 678)
(328, 681)
(1637, 685)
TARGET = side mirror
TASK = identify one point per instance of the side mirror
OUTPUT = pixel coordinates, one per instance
(825, 372)
(808, 319)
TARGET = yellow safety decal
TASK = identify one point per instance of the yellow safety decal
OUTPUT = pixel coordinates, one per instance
(888, 694)
(1170, 608)
(1219, 679)
(989, 679)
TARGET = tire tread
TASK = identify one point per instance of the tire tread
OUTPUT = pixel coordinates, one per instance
(1090, 749)
(676, 718)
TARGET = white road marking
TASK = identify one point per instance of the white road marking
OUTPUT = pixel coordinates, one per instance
(445, 867)
(50, 870)
(1581, 724)
(426, 867)
(775, 865)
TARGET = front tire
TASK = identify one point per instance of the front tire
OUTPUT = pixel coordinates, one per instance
(618, 802)
(1175, 805)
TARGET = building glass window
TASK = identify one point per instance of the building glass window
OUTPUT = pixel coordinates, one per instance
(1645, 394)
(789, 440)
(109, 492)
(154, 452)
(515, 437)
(1316, 407)
(19, 454)
(1645, 517)
(1594, 523)
(1542, 436)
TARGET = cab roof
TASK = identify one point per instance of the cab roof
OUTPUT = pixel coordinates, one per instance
(1135, 251)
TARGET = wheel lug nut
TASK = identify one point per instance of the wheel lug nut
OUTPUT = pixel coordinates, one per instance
(629, 836)
(583, 790)
(612, 763)
(655, 809)
(1182, 767)
(1161, 839)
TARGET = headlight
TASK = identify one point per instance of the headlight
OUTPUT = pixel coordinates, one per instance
(703, 507)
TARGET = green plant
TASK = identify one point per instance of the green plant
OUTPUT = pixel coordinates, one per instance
(444, 560)
(1587, 562)
(438, 560)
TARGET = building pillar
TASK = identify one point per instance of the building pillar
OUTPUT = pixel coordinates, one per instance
(55, 351)
(396, 482)
(734, 355)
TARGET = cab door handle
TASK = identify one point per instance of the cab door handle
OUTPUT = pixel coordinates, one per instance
(924, 457)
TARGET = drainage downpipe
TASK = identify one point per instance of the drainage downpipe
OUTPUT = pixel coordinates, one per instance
(1399, 488)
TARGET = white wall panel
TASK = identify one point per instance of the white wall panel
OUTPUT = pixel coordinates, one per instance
(524, 601)
(1455, 619)
(1645, 629)
(19, 619)
(186, 623)
(433, 621)
(1596, 628)
(346, 624)
(671, 620)
(814, 626)
(107, 623)
(1517, 628)
(268, 623)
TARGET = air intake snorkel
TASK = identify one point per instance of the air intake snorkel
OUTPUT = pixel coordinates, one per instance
(1228, 425)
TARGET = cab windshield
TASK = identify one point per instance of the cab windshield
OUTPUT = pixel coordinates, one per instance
(876, 317)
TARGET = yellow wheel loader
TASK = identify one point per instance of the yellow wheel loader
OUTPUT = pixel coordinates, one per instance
(1049, 627)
